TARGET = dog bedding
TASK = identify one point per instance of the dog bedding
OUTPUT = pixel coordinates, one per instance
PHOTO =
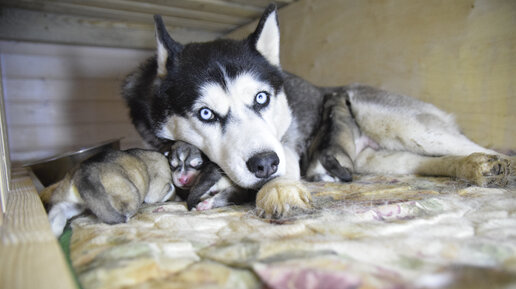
(376, 232)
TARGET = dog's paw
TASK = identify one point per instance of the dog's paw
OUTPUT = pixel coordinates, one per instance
(276, 198)
(485, 170)
(330, 167)
(205, 205)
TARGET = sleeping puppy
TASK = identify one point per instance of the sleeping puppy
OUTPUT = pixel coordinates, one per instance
(201, 182)
(112, 185)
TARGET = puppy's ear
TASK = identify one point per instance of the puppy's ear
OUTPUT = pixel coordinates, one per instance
(266, 38)
(167, 48)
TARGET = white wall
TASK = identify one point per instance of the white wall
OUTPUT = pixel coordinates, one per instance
(59, 98)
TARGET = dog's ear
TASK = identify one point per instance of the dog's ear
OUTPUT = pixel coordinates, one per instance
(167, 48)
(266, 38)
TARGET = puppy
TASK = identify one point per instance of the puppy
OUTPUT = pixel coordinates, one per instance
(201, 182)
(112, 185)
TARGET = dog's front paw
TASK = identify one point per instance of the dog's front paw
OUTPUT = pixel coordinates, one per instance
(485, 170)
(277, 197)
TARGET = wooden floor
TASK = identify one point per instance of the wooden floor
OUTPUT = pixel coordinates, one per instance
(30, 256)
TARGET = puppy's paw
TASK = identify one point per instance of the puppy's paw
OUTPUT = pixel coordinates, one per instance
(277, 197)
(485, 170)
(205, 205)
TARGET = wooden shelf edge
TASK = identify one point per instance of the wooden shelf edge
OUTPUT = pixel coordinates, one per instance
(30, 256)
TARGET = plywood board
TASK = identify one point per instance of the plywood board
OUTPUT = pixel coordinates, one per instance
(61, 98)
(458, 55)
(30, 256)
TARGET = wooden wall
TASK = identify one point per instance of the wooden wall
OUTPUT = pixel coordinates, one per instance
(59, 98)
(459, 55)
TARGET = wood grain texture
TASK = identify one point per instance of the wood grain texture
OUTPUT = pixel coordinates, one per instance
(35, 26)
(68, 99)
(30, 256)
(5, 160)
(458, 55)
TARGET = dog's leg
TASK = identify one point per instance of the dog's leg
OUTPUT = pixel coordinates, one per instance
(207, 179)
(60, 213)
(224, 193)
(477, 168)
(337, 143)
(277, 197)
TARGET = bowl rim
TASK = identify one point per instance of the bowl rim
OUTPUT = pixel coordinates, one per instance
(71, 153)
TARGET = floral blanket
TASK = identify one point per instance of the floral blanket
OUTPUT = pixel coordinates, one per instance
(376, 232)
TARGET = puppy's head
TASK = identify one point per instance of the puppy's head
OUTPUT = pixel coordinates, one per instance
(226, 97)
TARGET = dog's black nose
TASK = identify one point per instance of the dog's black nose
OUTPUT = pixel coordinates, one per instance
(263, 165)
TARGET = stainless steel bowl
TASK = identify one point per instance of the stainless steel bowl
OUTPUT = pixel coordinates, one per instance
(53, 169)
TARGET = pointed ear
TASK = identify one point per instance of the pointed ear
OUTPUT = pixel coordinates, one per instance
(167, 48)
(266, 37)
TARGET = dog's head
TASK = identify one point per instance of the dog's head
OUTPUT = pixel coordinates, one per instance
(226, 97)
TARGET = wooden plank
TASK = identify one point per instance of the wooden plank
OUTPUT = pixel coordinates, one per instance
(50, 90)
(163, 10)
(30, 256)
(39, 113)
(30, 48)
(34, 26)
(5, 162)
(261, 3)
(58, 67)
(21, 137)
(215, 6)
(116, 15)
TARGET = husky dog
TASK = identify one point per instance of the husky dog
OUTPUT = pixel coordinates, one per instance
(265, 128)
(112, 184)
(200, 182)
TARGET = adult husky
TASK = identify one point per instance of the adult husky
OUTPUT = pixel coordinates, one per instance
(265, 128)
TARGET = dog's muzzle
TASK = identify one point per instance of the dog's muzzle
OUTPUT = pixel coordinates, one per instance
(264, 164)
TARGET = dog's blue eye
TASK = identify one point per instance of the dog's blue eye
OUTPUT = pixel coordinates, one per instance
(206, 114)
(262, 98)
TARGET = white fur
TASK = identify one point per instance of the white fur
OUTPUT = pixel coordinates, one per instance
(246, 133)
(423, 129)
(161, 57)
(61, 213)
(268, 43)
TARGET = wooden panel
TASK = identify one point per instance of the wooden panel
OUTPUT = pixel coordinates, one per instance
(44, 113)
(163, 10)
(261, 3)
(29, 48)
(216, 6)
(30, 256)
(5, 161)
(68, 99)
(458, 55)
(46, 90)
(34, 26)
(23, 137)
(72, 67)
(81, 10)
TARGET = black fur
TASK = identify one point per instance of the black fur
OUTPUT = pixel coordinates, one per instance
(194, 65)
(152, 99)
(209, 176)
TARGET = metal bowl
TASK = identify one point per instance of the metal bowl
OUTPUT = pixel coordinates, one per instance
(53, 169)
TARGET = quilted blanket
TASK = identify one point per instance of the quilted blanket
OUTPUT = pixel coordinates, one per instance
(376, 232)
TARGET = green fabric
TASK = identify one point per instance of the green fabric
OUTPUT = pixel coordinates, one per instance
(64, 241)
